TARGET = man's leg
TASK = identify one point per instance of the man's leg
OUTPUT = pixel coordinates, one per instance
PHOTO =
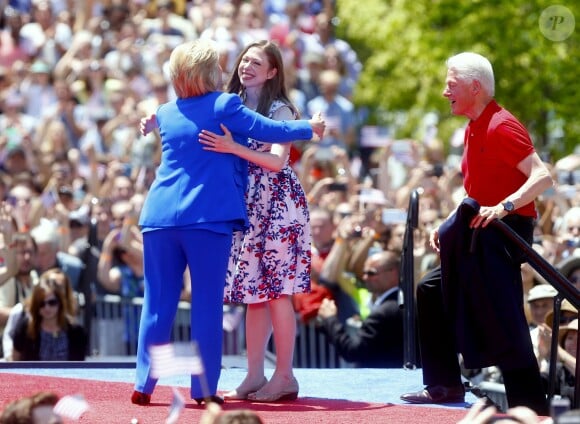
(524, 387)
(441, 372)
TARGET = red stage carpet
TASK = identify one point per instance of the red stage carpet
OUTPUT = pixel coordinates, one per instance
(109, 403)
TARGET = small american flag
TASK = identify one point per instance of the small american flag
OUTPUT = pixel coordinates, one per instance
(165, 363)
(71, 407)
(177, 405)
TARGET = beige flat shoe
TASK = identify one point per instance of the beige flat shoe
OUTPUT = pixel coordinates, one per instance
(239, 394)
(288, 393)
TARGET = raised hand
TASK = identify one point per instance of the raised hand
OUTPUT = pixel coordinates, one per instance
(318, 126)
(7, 227)
(148, 124)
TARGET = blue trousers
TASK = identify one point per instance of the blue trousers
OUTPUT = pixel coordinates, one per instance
(167, 252)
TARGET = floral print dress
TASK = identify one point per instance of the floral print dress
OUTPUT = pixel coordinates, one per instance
(272, 257)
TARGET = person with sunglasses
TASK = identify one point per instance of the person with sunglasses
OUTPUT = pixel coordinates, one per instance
(19, 311)
(378, 341)
(48, 332)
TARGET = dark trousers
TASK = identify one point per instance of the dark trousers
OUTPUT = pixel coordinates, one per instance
(439, 352)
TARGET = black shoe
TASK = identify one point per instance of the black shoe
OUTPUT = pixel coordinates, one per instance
(213, 398)
(437, 394)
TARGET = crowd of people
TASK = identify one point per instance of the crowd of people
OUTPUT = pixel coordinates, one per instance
(323, 235)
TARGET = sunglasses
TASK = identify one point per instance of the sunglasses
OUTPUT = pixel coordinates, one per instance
(50, 302)
(373, 272)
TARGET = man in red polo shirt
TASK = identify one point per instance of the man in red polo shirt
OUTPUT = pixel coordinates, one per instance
(502, 175)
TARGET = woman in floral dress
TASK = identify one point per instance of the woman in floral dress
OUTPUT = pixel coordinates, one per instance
(271, 260)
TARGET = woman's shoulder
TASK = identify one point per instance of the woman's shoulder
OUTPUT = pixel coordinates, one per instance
(227, 100)
(281, 110)
(21, 326)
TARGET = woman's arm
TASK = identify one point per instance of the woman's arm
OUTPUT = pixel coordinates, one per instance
(567, 359)
(108, 276)
(244, 122)
(274, 160)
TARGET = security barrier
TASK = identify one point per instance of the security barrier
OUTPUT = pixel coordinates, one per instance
(115, 327)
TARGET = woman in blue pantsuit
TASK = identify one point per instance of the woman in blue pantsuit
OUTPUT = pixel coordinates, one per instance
(194, 205)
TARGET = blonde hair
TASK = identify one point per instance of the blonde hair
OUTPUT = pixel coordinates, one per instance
(194, 68)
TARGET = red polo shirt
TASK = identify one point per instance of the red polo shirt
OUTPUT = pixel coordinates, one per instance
(495, 143)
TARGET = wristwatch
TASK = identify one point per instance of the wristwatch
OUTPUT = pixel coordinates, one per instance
(508, 206)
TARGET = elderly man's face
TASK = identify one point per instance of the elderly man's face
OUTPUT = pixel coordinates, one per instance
(460, 93)
(25, 257)
(46, 256)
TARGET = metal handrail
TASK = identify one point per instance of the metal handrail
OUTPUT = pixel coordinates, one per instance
(566, 290)
(407, 285)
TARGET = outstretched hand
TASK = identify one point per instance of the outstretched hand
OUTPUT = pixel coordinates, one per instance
(434, 240)
(148, 124)
(216, 142)
(318, 126)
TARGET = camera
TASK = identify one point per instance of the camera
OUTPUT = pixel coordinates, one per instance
(335, 186)
(435, 171)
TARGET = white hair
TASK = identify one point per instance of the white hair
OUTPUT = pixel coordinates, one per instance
(473, 66)
(571, 215)
(46, 232)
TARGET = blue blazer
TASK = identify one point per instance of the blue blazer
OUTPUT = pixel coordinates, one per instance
(195, 186)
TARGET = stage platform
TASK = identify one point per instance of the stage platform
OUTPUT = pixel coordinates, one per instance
(355, 384)
(345, 395)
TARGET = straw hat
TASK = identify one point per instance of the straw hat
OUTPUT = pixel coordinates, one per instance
(541, 291)
(566, 306)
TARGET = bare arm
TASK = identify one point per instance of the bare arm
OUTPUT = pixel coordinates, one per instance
(7, 250)
(538, 181)
(567, 359)
(108, 276)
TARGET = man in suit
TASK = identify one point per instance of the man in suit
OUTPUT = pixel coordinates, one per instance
(378, 341)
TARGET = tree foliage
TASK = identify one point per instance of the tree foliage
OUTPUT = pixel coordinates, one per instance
(403, 45)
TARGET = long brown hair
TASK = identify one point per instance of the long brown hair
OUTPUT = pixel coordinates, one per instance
(63, 284)
(274, 88)
(39, 293)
